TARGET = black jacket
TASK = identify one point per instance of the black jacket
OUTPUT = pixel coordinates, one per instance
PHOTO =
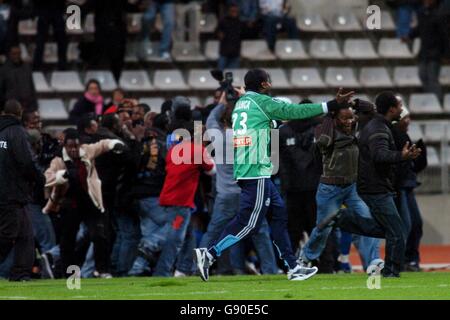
(432, 29)
(82, 107)
(18, 169)
(406, 171)
(298, 169)
(152, 165)
(378, 156)
(16, 82)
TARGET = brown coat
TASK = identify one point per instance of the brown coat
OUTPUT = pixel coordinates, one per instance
(57, 186)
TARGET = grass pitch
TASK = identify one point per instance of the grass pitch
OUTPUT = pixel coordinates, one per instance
(427, 285)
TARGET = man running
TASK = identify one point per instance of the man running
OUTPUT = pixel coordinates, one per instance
(252, 118)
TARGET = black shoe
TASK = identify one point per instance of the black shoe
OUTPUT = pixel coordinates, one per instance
(329, 220)
(391, 275)
(148, 255)
(412, 267)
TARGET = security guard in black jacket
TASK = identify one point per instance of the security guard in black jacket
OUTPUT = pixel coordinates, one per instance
(17, 173)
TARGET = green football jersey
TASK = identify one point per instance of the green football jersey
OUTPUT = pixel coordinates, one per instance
(253, 118)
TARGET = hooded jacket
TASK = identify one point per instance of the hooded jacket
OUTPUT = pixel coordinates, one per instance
(18, 168)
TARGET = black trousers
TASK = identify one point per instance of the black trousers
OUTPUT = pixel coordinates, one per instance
(59, 31)
(98, 229)
(16, 232)
(301, 207)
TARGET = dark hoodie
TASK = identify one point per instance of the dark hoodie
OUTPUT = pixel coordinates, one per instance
(18, 169)
(298, 169)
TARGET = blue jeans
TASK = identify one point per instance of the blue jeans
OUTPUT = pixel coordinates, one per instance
(404, 17)
(412, 218)
(42, 227)
(228, 63)
(384, 211)
(167, 11)
(329, 199)
(179, 218)
(270, 28)
(127, 240)
(184, 260)
(226, 206)
(154, 228)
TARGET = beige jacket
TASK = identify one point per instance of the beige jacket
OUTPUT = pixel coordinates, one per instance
(56, 185)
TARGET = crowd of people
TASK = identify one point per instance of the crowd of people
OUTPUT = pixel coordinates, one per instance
(111, 195)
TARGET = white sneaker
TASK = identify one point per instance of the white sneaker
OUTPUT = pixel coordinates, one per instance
(165, 56)
(179, 274)
(203, 260)
(102, 275)
(300, 273)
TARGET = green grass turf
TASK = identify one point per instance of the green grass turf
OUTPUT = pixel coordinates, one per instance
(429, 285)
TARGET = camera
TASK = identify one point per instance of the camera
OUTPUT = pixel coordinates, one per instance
(226, 84)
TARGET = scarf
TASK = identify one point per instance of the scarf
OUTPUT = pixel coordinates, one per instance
(97, 100)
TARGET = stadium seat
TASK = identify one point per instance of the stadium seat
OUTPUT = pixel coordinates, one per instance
(135, 80)
(362, 96)
(424, 103)
(394, 49)
(66, 81)
(416, 47)
(89, 26)
(435, 131)
(201, 79)
(50, 52)
(278, 78)
(131, 52)
(387, 22)
(447, 102)
(25, 54)
(311, 23)
(28, 27)
(134, 24)
(432, 157)
(319, 98)
(169, 80)
(325, 49)
(154, 103)
(344, 21)
(54, 131)
(73, 52)
(71, 104)
(407, 77)
(444, 77)
(106, 79)
(306, 78)
(40, 83)
(195, 102)
(415, 132)
(293, 98)
(212, 50)
(186, 51)
(256, 50)
(375, 77)
(341, 77)
(149, 54)
(208, 23)
(359, 49)
(238, 76)
(290, 50)
(52, 109)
